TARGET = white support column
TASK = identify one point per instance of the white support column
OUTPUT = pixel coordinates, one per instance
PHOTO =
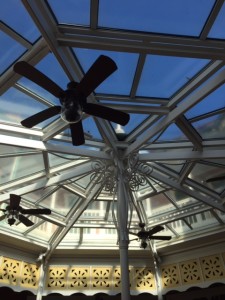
(158, 274)
(122, 218)
(43, 272)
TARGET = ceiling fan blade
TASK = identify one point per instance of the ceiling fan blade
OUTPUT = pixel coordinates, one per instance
(25, 220)
(36, 211)
(2, 217)
(41, 116)
(155, 230)
(25, 69)
(107, 113)
(14, 201)
(98, 72)
(162, 237)
(213, 179)
(77, 133)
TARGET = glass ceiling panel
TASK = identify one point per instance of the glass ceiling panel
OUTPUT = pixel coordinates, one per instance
(135, 121)
(202, 172)
(211, 128)
(175, 165)
(157, 205)
(213, 101)
(121, 80)
(90, 128)
(83, 181)
(56, 159)
(43, 232)
(4, 149)
(14, 14)
(202, 221)
(51, 68)
(96, 210)
(217, 31)
(18, 167)
(10, 50)
(78, 12)
(162, 76)
(60, 201)
(180, 198)
(162, 16)
(172, 133)
(23, 106)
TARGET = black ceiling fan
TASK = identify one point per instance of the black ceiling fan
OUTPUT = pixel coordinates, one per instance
(146, 235)
(14, 211)
(73, 100)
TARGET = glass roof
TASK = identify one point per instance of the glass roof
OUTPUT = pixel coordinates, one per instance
(164, 167)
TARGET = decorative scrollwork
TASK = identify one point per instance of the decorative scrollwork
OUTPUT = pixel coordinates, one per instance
(135, 174)
(105, 174)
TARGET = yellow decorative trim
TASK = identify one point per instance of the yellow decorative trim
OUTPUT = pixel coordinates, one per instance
(212, 267)
(116, 278)
(190, 272)
(193, 272)
(79, 277)
(170, 276)
(56, 278)
(10, 271)
(143, 279)
(30, 275)
(101, 277)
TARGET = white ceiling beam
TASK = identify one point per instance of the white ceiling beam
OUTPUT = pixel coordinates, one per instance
(39, 145)
(147, 43)
(211, 202)
(182, 154)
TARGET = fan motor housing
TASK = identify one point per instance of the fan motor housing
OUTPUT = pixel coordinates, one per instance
(72, 105)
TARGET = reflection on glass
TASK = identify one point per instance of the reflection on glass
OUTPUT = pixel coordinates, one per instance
(59, 201)
(16, 106)
(156, 205)
(17, 167)
(44, 231)
(213, 101)
(212, 127)
(10, 50)
(172, 133)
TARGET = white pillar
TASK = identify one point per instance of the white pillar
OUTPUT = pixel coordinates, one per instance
(122, 218)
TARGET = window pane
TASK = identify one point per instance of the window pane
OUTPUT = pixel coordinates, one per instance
(77, 12)
(162, 76)
(10, 50)
(14, 14)
(217, 31)
(162, 16)
(121, 80)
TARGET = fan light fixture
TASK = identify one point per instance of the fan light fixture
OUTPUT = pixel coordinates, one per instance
(14, 212)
